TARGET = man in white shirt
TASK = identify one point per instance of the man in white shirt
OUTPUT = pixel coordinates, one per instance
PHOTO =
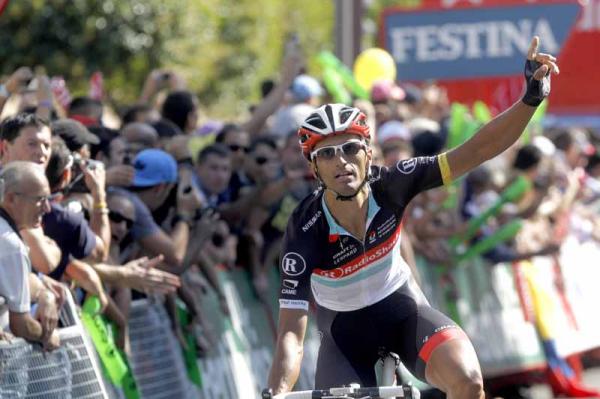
(24, 195)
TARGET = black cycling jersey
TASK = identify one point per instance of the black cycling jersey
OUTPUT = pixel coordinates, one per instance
(345, 272)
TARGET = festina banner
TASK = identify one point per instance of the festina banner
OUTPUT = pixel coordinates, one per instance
(473, 42)
(479, 55)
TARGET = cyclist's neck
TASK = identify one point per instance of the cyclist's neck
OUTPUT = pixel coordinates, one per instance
(350, 214)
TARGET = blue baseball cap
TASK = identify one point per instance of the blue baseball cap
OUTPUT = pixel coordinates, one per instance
(305, 87)
(153, 167)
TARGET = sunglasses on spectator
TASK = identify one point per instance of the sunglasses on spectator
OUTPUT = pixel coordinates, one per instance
(349, 148)
(218, 240)
(263, 160)
(118, 218)
(236, 148)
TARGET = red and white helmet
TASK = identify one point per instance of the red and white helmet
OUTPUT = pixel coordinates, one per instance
(331, 120)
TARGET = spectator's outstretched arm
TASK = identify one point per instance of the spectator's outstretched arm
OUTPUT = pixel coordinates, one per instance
(502, 131)
(88, 279)
(139, 274)
(43, 251)
(292, 65)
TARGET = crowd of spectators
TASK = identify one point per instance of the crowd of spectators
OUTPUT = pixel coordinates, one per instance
(122, 203)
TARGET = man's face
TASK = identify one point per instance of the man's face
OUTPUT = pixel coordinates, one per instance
(344, 172)
(239, 143)
(31, 201)
(266, 161)
(215, 173)
(119, 149)
(32, 144)
(121, 216)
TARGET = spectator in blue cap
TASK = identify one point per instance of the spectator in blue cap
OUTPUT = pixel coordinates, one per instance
(305, 94)
(156, 175)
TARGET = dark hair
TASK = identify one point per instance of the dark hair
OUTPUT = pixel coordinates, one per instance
(225, 130)
(83, 106)
(217, 149)
(264, 140)
(106, 135)
(177, 106)
(59, 159)
(427, 144)
(165, 128)
(563, 140)
(529, 156)
(131, 113)
(593, 161)
(11, 127)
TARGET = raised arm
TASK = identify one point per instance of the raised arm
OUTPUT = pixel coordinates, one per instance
(502, 131)
(288, 350)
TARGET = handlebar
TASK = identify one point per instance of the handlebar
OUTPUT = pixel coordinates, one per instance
(353, 391)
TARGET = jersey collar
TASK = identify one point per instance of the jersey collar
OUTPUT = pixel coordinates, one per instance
(335, 230)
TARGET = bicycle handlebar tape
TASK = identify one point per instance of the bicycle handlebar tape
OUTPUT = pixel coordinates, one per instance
(536, 90)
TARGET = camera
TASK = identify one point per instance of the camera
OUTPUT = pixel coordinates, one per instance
(77, 184)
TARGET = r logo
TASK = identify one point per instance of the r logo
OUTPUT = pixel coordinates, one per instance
(293, 264)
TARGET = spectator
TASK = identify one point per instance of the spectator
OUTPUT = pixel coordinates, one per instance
(140, 136)
(140, 113)
(26, 137)
(24, 193)
(213, 172)
(181, 108)
(75, 135)
(155, 177)
(86, 110)
(305, 93)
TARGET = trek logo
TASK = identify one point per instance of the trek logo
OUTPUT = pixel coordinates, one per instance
(293, 264)
(407, 166)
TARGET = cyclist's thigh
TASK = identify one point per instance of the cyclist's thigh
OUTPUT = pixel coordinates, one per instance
(422, 331)
(339, 365)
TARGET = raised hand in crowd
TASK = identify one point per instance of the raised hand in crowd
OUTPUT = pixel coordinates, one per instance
(188, 198)
(19, 79)
(44, 97)
(120, 175)
(160, 79)
(95, 179)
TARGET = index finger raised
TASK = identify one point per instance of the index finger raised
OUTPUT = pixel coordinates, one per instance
(533, 48)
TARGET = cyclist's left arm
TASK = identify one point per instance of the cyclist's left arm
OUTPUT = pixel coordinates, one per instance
(502, 131)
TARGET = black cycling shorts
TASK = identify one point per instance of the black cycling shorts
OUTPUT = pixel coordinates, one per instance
(403, 323)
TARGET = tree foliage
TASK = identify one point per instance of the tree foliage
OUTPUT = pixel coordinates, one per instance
(224, 48)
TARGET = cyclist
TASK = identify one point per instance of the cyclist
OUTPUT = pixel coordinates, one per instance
(343, 244)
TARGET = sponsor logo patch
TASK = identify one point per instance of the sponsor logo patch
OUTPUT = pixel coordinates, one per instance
(407, 166)
(293, 264)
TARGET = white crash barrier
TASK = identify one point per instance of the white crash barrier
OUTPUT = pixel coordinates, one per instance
(70, 371)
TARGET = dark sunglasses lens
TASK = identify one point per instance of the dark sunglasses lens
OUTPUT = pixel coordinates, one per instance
(261, 160)
(218, 240)
(351, 148)
(236, 148)
(118, 218)
(326, 153)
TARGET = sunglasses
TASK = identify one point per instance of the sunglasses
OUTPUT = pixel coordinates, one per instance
(118, 218)
(349, 148)
(262, 160)
(236, 148)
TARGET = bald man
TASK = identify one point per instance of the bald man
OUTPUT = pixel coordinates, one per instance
(24, 199)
